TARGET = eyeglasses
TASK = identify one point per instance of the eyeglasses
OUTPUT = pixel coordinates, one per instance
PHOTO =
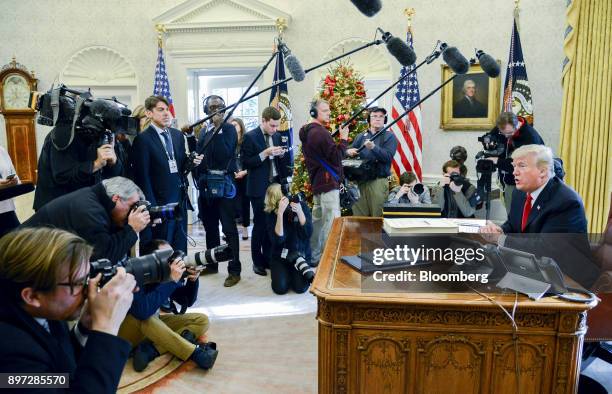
(79, 283)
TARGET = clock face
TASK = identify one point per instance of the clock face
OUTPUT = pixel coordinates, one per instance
(16, 92)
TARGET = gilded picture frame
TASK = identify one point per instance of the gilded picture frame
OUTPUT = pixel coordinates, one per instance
(471, 101)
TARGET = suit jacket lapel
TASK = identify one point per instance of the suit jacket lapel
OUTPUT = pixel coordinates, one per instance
(156, 141)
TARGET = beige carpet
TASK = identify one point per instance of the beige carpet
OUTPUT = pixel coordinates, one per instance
(267, 343)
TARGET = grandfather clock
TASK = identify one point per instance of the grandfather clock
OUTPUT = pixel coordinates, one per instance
(16, 83)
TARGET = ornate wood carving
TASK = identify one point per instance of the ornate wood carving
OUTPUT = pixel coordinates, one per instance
(341, 361)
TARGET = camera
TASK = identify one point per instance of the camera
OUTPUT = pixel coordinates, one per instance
(418, 189)
(189, 164)
(492, 146)
(216, 255)
(77, 111)
(162, 212)
(300, 264)
(148, 269)
(458, 180)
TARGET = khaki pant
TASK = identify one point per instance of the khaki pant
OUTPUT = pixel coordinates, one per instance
(373, 195)
(165, 332)
(325, 209)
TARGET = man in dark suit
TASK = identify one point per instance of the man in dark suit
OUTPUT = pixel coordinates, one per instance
(158, 159)
(219, 163)
(542, 204)
(263, 156)
(468, 106)
(40, 292)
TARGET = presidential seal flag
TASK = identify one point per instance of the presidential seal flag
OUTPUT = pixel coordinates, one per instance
(517, 94)
(279, 98)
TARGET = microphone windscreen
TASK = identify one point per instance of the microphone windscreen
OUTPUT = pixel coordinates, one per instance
(455, 60)
(488, 64)
(295, 68)
(368, 7)
(401, 51)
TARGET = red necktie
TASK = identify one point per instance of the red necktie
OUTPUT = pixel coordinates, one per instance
(526, 211)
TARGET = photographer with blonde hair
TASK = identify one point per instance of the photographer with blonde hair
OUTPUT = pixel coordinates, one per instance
(289, 231)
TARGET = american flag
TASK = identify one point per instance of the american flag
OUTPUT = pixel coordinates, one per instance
(517, 94)
(409, 154)
(162, 86)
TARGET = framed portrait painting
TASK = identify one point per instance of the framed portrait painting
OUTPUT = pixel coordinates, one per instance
(470, 101)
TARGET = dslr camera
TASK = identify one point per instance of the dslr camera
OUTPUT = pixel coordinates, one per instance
(162, 212)
(148, 269)
(300, 264)
(216, 255)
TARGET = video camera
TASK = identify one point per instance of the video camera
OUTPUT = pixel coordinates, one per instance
(70, 111)
(492, 146)
(148, 269)
(162, 212)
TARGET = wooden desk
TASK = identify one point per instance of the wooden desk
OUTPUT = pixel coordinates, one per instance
(436, 343)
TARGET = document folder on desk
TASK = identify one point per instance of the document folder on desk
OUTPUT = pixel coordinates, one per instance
(419, 226)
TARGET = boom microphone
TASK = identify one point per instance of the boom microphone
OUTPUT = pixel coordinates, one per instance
(399, 49)
(368, 8)
(293, 64)
(488, 64)
(455, 60)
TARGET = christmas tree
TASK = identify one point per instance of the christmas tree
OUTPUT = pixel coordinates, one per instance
(343, 88)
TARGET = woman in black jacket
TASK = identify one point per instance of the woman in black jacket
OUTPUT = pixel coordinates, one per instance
(289, 225)
(243, 207)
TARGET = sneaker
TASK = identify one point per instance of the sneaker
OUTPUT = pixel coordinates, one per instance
(205, 356)
(231, 280)
(189, 336)
(144, 353)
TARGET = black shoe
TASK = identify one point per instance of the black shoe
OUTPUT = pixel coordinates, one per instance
(209, 270)
(166, 307)
(259, 270)
(189, 336)
(144, 353)
(205, 356)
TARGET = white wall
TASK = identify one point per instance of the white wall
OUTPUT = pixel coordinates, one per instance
(44, 34)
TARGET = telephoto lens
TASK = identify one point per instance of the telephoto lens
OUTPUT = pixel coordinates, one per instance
(148, 269)
(301, 266)
(216, 255)
(165, 212)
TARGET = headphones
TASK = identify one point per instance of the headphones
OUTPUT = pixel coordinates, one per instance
(377, 109)
(207, 99)
(313, 109)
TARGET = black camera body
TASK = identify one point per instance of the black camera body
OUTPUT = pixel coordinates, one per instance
(189, 165)
(459, 180)
(94, 118)
(163, 212)
(493, 145)
(418, 189)
(148, 269)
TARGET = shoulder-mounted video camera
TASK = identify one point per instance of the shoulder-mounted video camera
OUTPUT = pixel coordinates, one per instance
(72, 111)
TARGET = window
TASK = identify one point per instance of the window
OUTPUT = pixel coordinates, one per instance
(229, 84)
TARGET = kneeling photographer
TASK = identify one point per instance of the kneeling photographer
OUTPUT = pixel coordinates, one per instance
(153, 334)
(373, 183)
(410, 191)
(458, 197)
(289, 231)
(102, 214)
(43, 284)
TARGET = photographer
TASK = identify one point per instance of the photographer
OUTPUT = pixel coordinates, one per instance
(457, 199)
(101, 214)
(374, 189)
(8, 178)
(43, 284)
(289, 231)
(510, 133)
(83, 163)
(153, 334)
(158, 161)
(409, 192)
